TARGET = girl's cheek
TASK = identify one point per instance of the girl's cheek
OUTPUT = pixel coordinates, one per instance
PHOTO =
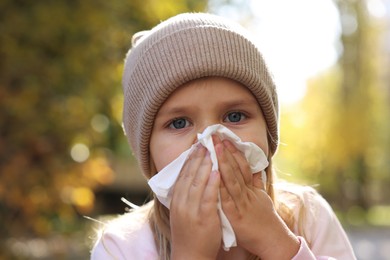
(163, 158)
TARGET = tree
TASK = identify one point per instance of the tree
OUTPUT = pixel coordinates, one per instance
(339, 130)
(60, 105)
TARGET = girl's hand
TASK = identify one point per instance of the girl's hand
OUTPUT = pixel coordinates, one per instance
(258, 227)
(195, 225)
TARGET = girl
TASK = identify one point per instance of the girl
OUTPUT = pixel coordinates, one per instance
(186, 74)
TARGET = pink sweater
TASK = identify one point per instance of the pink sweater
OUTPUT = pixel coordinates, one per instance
(130, 236)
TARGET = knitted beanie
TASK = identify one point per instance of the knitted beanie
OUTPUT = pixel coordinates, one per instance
(184, 48)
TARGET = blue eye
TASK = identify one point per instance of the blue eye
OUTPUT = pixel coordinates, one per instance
(235, 117)
(179, 123)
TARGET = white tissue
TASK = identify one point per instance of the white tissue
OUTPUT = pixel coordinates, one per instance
(163, 182)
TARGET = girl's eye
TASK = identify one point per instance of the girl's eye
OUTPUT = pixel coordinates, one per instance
(235, 117)
(179, 123)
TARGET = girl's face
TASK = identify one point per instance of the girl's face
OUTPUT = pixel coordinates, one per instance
(199, 104)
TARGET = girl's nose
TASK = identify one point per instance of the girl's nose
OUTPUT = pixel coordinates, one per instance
(200, 129)
(206, 122)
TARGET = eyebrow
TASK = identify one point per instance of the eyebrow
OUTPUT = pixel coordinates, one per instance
(240, 102)
(174, 111)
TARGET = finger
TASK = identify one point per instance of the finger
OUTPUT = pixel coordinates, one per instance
(228, 158)
(186, 176)
(188, 172)
(240, 165)
(227, 202)
(200, 180)
(228, 170)
(242, 162)
(236, 168)
(210, 195)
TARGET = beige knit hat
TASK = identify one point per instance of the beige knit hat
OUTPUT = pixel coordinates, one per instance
(178, 50)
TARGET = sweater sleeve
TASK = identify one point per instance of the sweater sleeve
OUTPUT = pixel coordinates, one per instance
(305, 253)
(127, 237)
(108, 246)
(325, 237)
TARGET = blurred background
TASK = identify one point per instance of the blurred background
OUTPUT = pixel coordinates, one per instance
(63, 154)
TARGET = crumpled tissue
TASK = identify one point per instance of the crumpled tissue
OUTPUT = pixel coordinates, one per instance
(163, 182)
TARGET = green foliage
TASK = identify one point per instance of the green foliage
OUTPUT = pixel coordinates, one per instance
(60, 104)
